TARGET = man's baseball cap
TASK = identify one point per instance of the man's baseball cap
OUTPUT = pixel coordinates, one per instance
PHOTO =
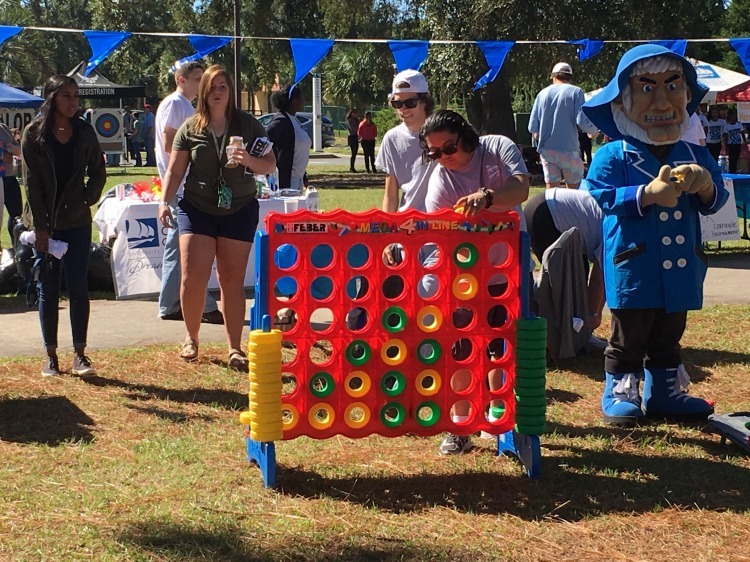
(562, 68)
(147, 106)
(409, 82)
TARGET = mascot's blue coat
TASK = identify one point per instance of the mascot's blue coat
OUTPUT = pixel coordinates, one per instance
(652, 255)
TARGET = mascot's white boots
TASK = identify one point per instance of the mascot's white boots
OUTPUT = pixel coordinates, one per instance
(665, 396)
(621, 401)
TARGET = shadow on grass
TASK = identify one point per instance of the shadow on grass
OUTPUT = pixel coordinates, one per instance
(693, 358)
(227, 399)
(234, 544)
(168, 415)
(49, 420)
(581, 484)
(347, 181)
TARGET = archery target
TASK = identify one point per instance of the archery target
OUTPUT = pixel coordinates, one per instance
(109, 129)
(107, 125)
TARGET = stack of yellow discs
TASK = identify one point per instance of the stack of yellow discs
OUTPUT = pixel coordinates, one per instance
(264, 365)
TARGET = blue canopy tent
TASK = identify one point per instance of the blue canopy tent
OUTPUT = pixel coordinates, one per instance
(17, 99)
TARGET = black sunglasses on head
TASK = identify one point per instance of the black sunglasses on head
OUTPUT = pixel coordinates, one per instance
(438, 152)
(411, 103)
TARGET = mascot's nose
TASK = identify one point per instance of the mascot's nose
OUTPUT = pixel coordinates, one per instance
(660, 98)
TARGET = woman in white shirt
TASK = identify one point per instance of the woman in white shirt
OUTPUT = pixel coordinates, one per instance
(734, 136)
(714, 132)
(291, 144)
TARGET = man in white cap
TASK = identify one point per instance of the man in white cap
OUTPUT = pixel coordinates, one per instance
(555, 119)
(400, 155)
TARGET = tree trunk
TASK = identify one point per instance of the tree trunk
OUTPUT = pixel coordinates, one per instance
(490, 109)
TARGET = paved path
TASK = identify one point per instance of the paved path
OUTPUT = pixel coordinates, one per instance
(133, 323)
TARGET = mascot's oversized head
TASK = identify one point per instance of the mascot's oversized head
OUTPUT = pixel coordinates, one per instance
(650, 97)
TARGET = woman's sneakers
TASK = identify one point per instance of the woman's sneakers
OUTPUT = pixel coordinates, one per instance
(51, 367)
(455, 444)
(82, 366)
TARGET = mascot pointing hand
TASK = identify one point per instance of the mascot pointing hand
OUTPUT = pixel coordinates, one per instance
(651, 188)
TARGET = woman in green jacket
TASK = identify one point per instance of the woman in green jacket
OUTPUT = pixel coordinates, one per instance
(60, 151)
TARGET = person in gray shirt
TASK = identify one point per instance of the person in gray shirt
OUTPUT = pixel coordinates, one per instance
(554, 211)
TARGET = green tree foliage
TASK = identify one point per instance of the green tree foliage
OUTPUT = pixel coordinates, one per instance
(736, 24)
(357, 75)
(360, 73)
(454, 69)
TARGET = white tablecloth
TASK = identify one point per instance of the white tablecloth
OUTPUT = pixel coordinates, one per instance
(137, 251)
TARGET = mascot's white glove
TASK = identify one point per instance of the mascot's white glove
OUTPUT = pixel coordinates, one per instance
(661, 191)
(692, 178)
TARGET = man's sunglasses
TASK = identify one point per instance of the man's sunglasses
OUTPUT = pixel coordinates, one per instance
(438, 152)
(411, 103)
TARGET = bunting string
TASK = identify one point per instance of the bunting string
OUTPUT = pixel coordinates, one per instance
(407, 53)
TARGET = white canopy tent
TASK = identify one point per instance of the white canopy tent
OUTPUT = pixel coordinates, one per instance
(717, 78)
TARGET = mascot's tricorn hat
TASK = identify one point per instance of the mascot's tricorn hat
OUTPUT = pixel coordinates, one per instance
(598, 108)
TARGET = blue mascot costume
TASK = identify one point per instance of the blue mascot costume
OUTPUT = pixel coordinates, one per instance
(651, 187)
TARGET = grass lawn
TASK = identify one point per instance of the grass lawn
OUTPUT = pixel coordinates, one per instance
(145, 462)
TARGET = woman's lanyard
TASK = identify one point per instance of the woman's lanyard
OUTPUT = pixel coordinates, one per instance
(220, 149)
(224, 193)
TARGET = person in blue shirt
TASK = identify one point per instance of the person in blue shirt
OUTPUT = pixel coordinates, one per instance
(651, 188)
(554, 123)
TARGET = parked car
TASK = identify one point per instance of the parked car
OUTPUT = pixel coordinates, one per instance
(306, 120)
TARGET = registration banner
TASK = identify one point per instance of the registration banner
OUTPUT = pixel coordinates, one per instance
(722, 225)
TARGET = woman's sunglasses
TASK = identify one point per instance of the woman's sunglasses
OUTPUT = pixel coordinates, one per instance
(411, 103)
(438, 152)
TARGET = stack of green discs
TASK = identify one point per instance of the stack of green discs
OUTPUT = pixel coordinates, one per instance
(531, 369)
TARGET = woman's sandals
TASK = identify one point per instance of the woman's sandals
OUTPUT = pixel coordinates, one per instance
(189, 350)
(238, 360)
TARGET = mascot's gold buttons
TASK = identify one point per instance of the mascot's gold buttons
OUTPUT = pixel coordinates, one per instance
(666, 240)
(664, 216)
(678, 215)
(680, 239)
(667, 264)
(682, 262)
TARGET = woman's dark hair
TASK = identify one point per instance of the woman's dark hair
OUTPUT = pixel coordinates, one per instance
(349, 113)
(45, 117)
(282, 99)
(447, 120)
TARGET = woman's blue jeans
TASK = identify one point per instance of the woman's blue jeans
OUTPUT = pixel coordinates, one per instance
(74, 265)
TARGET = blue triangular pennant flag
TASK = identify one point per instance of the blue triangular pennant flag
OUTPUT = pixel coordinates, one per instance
(204, 45)
(587, 48)
(103, 44)
(742, 46)
(494, 53)
(8, 31)
(677, 46)
(410, 54)
(306, 54)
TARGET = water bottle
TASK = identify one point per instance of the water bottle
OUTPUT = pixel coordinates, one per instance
(273, 185)
(261, 186)
(313, 202)
(724, 164)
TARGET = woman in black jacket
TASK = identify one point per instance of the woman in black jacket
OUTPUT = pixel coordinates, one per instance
(59, 151)
(291, 144)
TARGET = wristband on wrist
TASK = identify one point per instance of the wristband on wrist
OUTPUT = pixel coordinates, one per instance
(163, 204)
(488, 197)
